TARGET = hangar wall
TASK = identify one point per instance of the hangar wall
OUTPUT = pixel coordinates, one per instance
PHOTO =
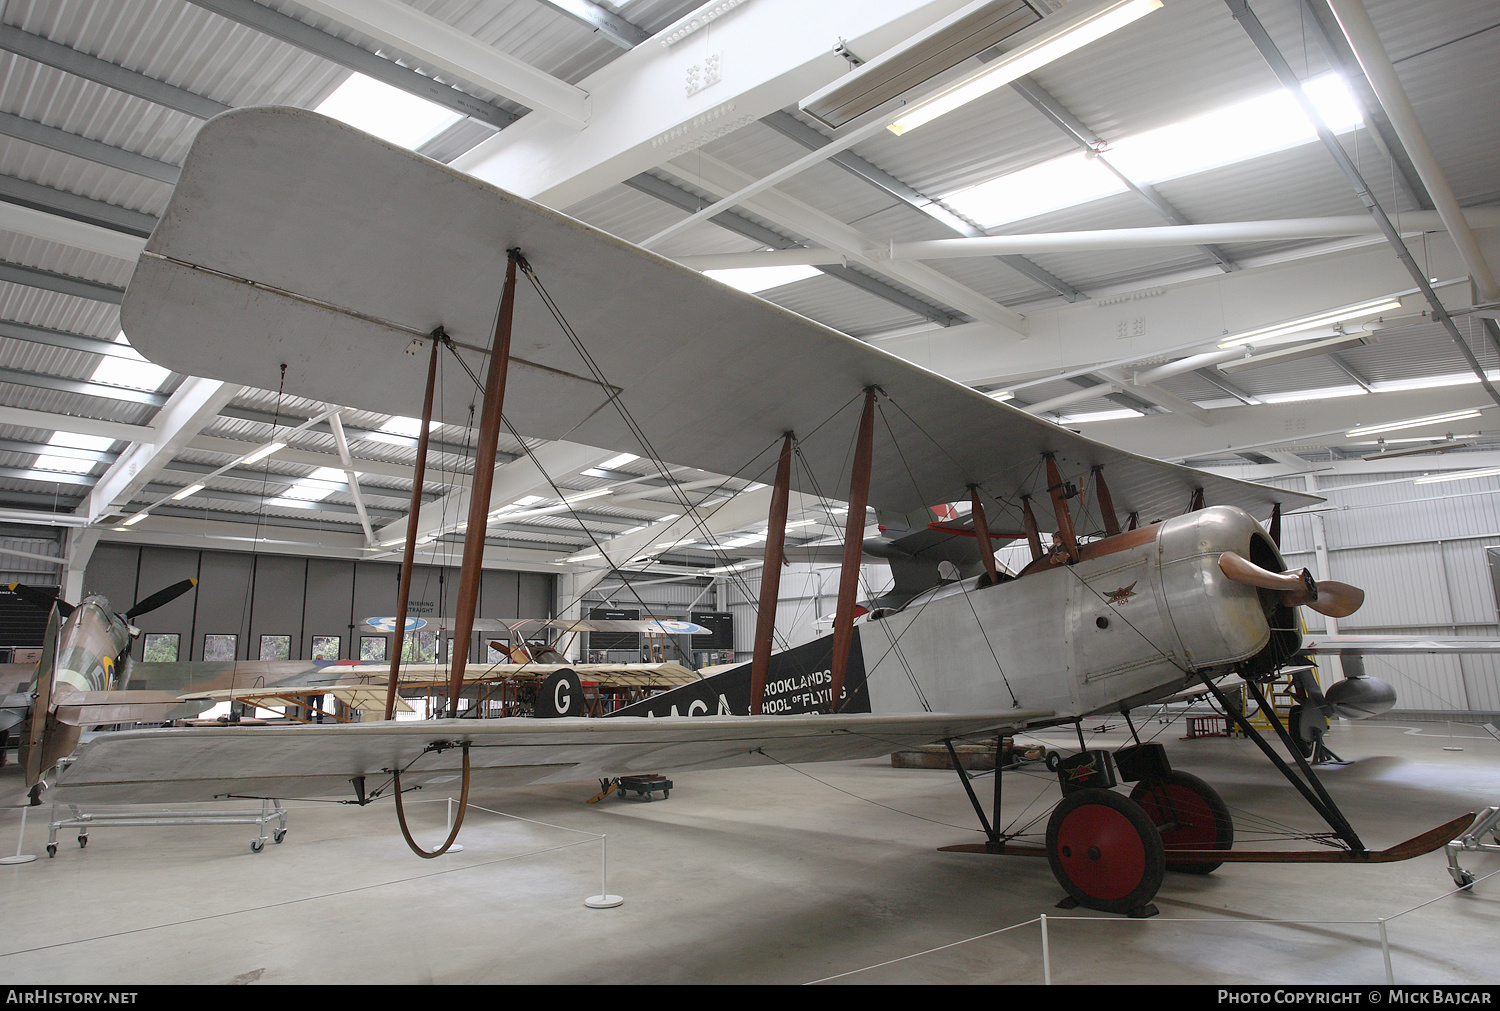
(250, 596)
(1418, 550)
(19, 568)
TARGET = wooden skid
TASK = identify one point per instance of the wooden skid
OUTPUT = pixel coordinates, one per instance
(1416, 846)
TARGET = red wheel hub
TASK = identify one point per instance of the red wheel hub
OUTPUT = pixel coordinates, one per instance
(1186, 822)
(1101, 851)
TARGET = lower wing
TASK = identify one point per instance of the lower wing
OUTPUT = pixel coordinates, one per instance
(162, 766)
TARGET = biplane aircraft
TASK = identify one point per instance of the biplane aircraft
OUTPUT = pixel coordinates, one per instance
(296, 244)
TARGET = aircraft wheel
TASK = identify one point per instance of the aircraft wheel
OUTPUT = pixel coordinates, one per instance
(1105, 851)
(1190, 815)
(1053, 761)
(1294, 725)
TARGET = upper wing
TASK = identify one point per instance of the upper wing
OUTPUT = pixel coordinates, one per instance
(161, 766)
(295, 239)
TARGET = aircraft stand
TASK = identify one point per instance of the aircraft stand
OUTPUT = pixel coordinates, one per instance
(270, 810)
(1487, 822)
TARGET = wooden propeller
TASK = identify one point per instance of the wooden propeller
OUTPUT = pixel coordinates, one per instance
(1330, 597)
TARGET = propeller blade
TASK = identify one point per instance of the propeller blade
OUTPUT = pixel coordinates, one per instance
(1337, 600)
(1242, 570)
(160, 597)
(41, 598)
(1330, 597)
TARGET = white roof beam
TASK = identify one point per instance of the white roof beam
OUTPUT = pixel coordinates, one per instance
(350, 475)
(193, 406)
(641, 116)
(1061, 117)
(46, 422)
(70, 231)
(346, 54)
(306, 458)
(714, 175)
(1376, 63)
(1086, 240)
(514, 480)
(1175, 318)
(1158, 396)
(1313, 423)
(441, 45)
(595, 18)
(746, 510)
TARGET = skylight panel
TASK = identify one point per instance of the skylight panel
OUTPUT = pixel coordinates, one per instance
(317, 486)
(753, 279)
(408, 428)
(1061, 182)
(133, 372)
(68, 464)
(1258, 126)
(389, 113)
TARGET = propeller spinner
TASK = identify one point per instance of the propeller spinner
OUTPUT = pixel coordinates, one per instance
(1330, 597)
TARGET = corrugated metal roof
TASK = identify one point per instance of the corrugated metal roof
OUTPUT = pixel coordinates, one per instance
(1187, 58)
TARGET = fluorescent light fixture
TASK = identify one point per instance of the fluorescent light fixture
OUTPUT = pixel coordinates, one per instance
(1462, 475)
(1327, 317)
(1429, 447)
(618, 461)
(584, 496)
(584, 558)
(136, 518)
(1396, 426)
(1001, 395)
(1079, 419)
(736, 567)
(1020, 62)
(1425, 439)
(753, 279)
(389, 113)
(1292, 354)
(191, 489)
(263, 452)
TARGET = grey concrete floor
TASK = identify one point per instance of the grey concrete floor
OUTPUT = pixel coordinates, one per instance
(776, 875)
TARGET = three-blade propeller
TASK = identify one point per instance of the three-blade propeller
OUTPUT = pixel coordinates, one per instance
(1335, 599)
